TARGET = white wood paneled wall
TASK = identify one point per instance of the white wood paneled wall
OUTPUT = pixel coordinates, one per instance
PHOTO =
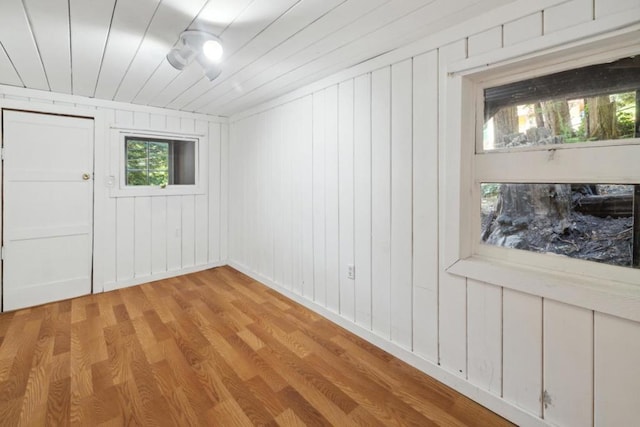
(167, 235)
(353, 173)
(147, 238)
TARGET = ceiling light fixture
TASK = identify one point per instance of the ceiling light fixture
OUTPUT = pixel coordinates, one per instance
(204, 47)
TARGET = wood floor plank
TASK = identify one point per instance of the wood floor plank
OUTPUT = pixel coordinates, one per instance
(34, 403)
(208, 348)
(59, 402)
(288, 418)
(229, 413)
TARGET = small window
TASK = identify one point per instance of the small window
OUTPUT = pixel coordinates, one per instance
(159, 162)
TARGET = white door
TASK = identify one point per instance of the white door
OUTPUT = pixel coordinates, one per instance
(48, 208)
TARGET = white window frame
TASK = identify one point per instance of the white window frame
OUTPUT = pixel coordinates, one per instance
(117, 180)
(605, 288)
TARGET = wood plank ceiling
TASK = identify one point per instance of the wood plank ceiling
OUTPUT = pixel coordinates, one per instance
(115, 49)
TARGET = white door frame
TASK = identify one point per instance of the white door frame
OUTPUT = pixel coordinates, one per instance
(99, 183)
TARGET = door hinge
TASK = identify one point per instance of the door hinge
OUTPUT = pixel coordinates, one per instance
(2, 253)
(2, 153)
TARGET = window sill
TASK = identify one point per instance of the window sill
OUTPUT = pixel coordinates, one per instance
(612, 297)
(144, 191)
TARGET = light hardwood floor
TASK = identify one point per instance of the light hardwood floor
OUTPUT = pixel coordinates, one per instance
(213, 348)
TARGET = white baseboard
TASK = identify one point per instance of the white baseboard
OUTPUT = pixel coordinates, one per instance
(159, 276)
(461, 385)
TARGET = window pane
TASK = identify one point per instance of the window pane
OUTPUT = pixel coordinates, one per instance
(586, 104)
(157, 162)
(137, 177)
(158, 155)
(158, 177)
(184, 162)
(137, 163)
(136, 149)
(586, 221)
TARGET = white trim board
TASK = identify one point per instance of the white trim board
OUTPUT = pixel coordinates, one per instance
(35, 95)
(461, 385)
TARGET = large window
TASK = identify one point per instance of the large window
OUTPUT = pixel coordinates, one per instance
(159, 162)
(556, 166)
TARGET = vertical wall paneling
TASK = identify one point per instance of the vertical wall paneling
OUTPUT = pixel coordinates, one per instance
(232, 248)
(617, 371)
(108, 234)
(567, 14)
(484, 329)
(224, 192)
(269, 203)
(485, 41)
(278, 196)
(244, 184)
(284, 167)
(260, 169)
(522, 29)
(157, 121)
(187, 124)
(188, 231)
(201, 229)
(606, 8)
(452, 289)
(173, 124)
(269, 208)
(174, 233)
(158, 235)
(124, 119)
(237, 182)
(201, 202)
(381, 201)
(109, 238)
(239, 179)
(306, 193)
(142, 230)
(331, 199)
(287, 196)
(425, 212)
(345, 173)
(125, 238)
(253, 203)
(568, 364)
(295, 139)
(141, 120)
(401, 300)
(362, 199)
(319, 212)
(215, 187)
(522, 350)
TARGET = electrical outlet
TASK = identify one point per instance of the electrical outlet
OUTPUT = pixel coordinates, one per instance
(351, 271)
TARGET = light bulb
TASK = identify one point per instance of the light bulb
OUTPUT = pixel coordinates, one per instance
(212, 50)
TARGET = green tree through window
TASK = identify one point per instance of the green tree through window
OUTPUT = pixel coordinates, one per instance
(147, 161)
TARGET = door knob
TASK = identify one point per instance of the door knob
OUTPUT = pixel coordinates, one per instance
(86, 176)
